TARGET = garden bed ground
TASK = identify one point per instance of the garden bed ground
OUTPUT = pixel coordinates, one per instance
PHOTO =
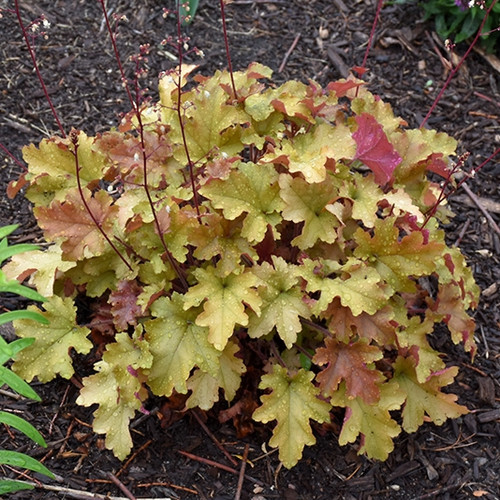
(322, 39)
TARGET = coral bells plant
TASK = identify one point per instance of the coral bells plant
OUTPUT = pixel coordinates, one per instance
(238, 238)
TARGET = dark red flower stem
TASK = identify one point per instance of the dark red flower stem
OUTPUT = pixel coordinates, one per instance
(136, 106)
(74, 151)
(179, 115)
(226, 43)
(37, 69)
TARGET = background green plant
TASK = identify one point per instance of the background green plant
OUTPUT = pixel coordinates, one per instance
(187, 10)
(8, 351)
(460, 24)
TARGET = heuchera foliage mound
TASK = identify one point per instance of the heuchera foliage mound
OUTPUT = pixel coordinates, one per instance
(281, 237)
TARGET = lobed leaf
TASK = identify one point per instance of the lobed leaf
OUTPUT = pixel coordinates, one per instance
(177, 345)
(426, 398)
(372, 422)
(224, 299)
(293, 402)
(282, 302)
(50, 355)
(118, 389)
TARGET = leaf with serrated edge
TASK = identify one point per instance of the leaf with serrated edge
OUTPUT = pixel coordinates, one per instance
(52, 168)
(292, 402)
(118, 388)
(307, 203)
(353, 363)
(49, 355)
(308, 153)
(71, 223)
(414, 336)
(177, 345)
(450, 307)
(396, 259)
(426, 398)
(365, 195)
(360, 288)
(42, 266)
(224, 301)
(205, 387)
(372, 422)
(283, 304)
(251, 189)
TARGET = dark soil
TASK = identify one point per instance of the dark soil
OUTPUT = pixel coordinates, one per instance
(458, 460)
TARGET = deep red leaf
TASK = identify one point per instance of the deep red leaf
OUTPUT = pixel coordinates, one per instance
(374, 149)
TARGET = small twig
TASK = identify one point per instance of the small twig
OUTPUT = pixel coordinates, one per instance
(122, 487)
(168, 485)
(486, 98)
(213, 438)
(212, 463)
(462, 233)
(475, 199)
(486, 348)
(446, 64)
(438, 491)
(242, 473)
(54, 418)
(132, 457)
(289, 52)
(72, 493)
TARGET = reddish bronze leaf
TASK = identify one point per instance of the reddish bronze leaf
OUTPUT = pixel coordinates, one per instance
(349, 362)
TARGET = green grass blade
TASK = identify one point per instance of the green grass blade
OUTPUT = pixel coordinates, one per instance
(10, 486)
(12, 315)
(17, 384)
(16, 459)
(22, 425)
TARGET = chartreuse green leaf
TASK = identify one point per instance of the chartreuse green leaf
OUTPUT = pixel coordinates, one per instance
(293, 402)
(177, 345)
(224, 299)
(205, 387)
(52, 168)
(414, 336)
(118, 389)
(210, 123)
(308, 153)
(50, 355)
(365, 194)
(359, 286)
(251, 189)
(282, 302)
(307, 203)
(217, 236)
(417, 145)
(372, 421)
(426, 398)
(43, 267)
(398, 259)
